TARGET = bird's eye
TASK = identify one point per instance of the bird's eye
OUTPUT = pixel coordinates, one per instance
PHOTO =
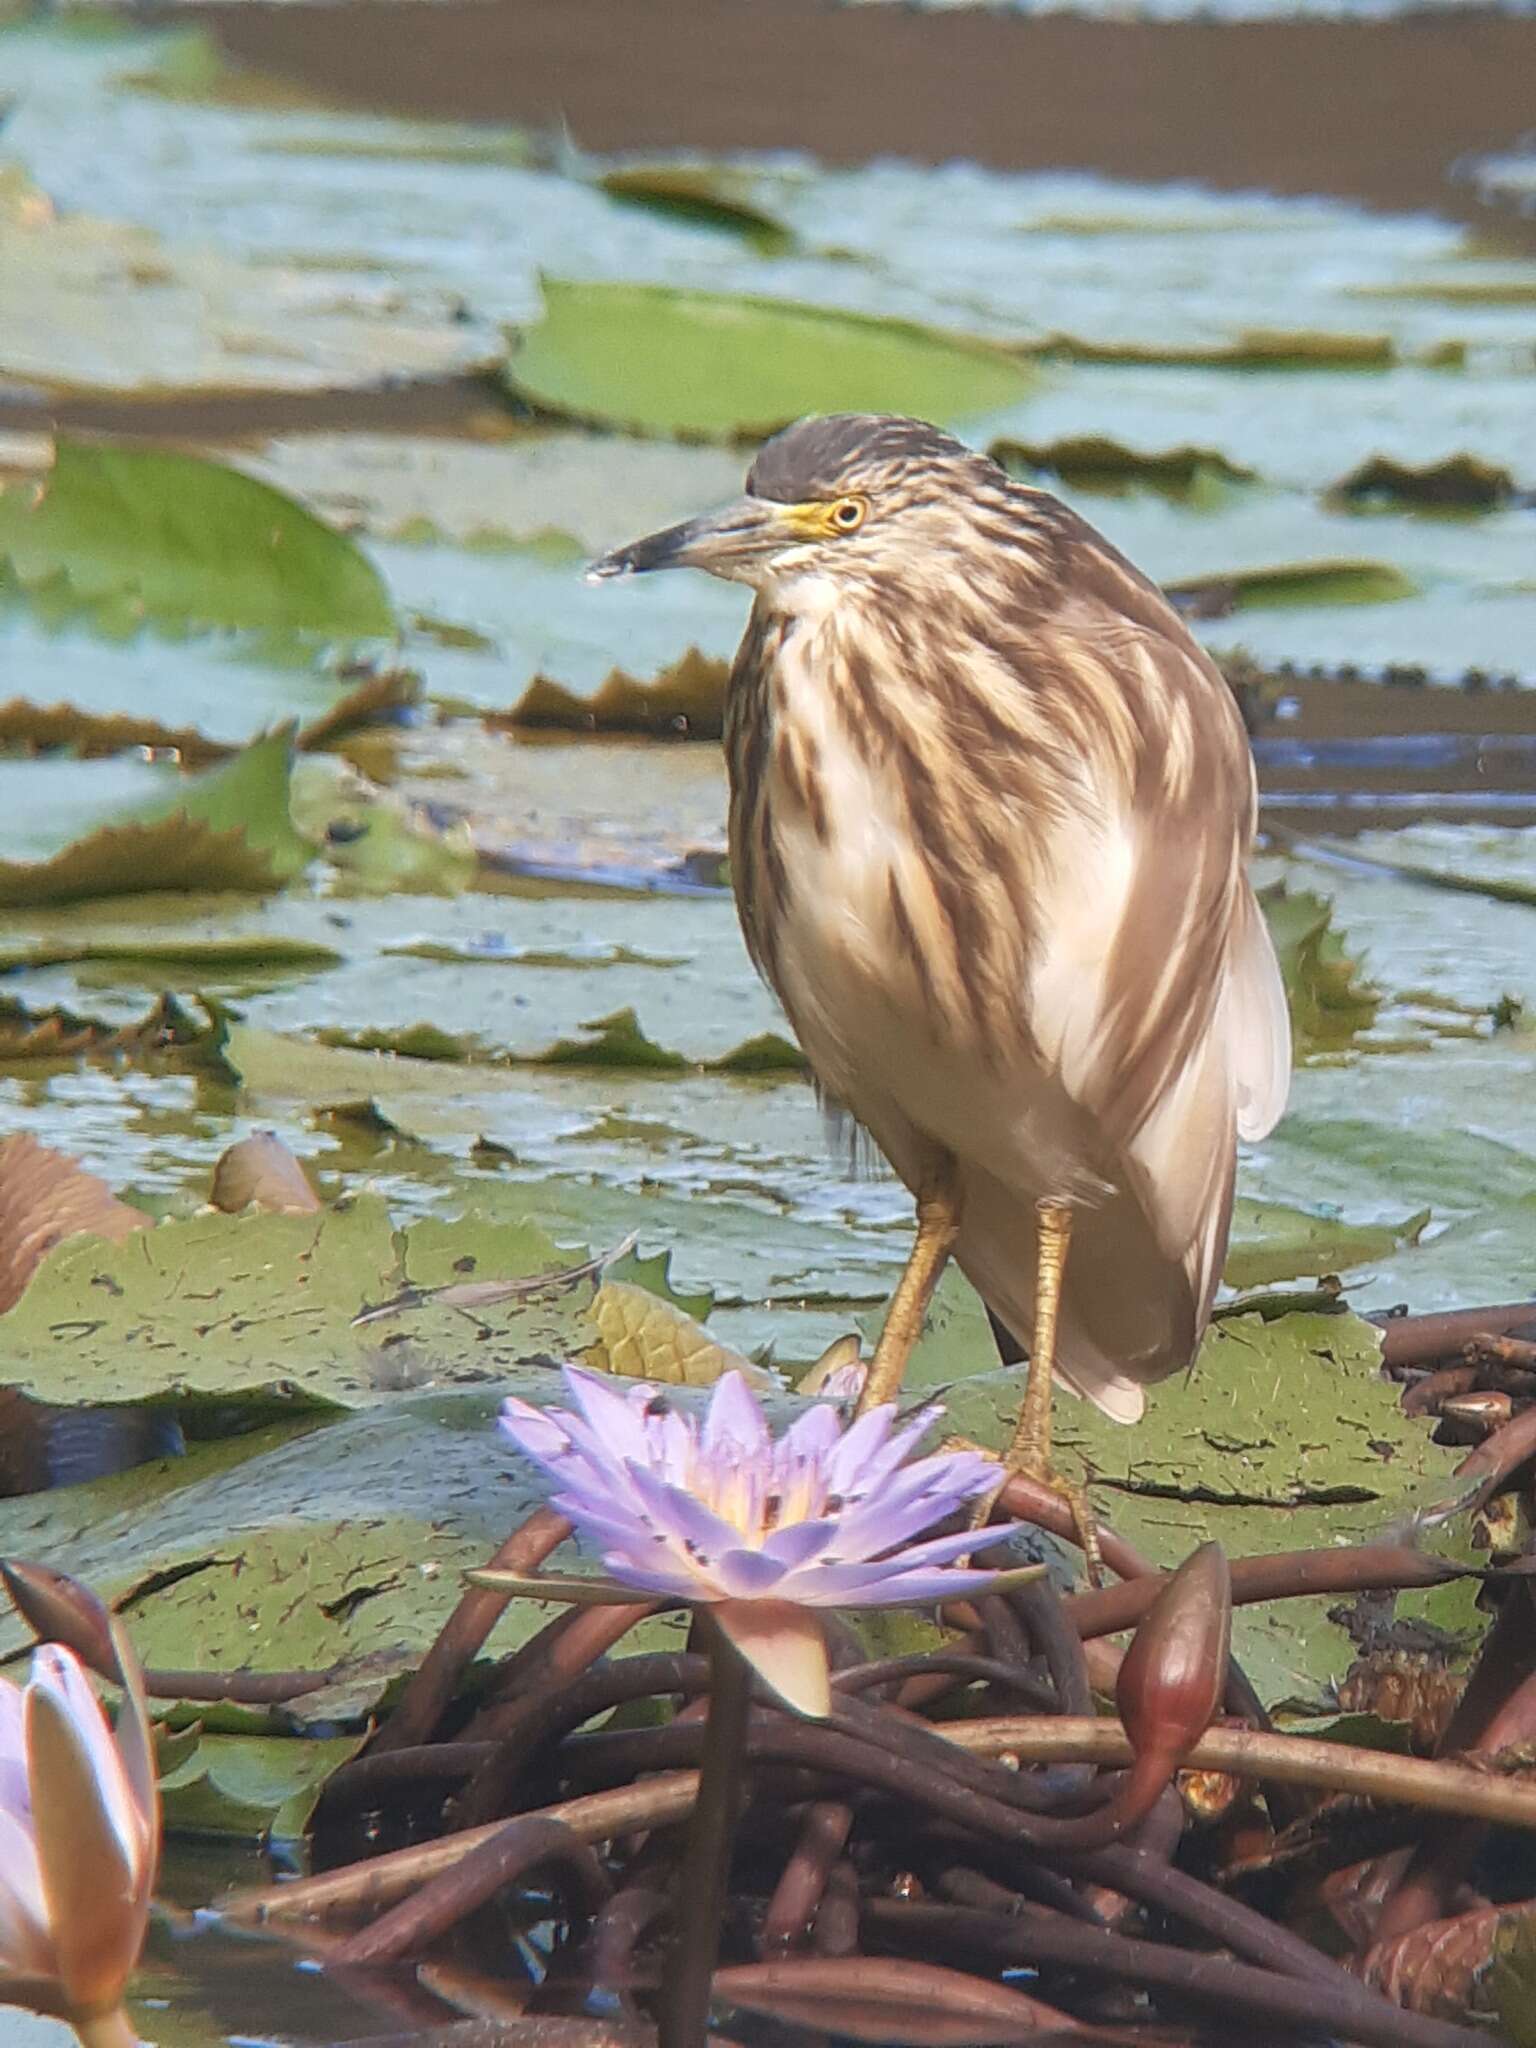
(847, 515)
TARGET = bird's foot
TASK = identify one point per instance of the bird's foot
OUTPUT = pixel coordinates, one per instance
(1040, 1472)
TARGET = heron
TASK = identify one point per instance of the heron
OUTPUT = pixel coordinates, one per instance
(990, 811)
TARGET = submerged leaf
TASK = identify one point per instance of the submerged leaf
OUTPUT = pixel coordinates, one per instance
(187, 539)
(251, 1787)
(660, 360)
(1273, 1242)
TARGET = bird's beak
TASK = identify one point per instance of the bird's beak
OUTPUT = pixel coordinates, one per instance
(730, 543)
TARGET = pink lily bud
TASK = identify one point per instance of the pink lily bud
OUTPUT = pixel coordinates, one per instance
(79, 1838)
(1172, 1677)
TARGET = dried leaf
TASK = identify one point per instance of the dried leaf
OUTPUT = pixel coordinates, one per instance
(646, 1338)
(46, 1196)
(1462, 482)
(1443, 1968)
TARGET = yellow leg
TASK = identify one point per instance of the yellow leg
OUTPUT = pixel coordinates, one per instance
(1030, 1450)
(938, 1225)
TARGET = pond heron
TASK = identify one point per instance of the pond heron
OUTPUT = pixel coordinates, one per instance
(990, 809)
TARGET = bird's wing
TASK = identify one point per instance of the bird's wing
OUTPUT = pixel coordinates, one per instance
(1154, 990)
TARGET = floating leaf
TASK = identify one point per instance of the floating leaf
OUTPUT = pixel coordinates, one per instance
(664, 361)
(226, 829)
(379, 842)
(213, 955)
(1282, 1434)
(252, 1787)
(1457, 482)
(186, 540)
(714, 195)
(1256, 348)
(645, 1338)
(282, 1551)
(1293, 583)
(1330, 1004)
(53, 1034)
(45, 1198)
(1272, 1242)
(616, 1041)
(99, 305)
(38, 728)
(685, 701)
(1093, 462)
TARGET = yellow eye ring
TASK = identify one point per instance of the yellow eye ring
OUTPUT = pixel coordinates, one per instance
(846, 515)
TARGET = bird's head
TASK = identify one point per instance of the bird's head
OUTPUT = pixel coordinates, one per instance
(848, 497)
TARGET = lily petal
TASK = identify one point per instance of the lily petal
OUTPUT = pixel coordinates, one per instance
(785, 1646)
(92, 1878)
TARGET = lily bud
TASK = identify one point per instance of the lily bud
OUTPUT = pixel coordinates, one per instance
(79, 1837)
(58, 1609)
(1172, 1677)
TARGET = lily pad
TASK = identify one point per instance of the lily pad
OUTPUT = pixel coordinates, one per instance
(685, 701)
(226, 829)
(1095, 462)
(1272, 1242)
(253, 1787)
(186, 540)
(1292, 583)
(270, 1552)
(1456, 483)
(1283, 1434)
(714, 366)
(1330, 1003)
(712, 195)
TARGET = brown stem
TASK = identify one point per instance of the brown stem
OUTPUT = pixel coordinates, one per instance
(859, 1678)
(705, 1888)
(1285, 1759)
(796, 1896)
(1497, 1456)
(1032, 1937)
(433, 1683)
(617, 1930)
(1026, 1500)
(514, 1848)
(377, 1881)
(1421, 1340)
(521, 1723)
(1286, 1575)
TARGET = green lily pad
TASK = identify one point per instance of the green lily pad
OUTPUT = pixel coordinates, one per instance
(1272, 1242)
(228, 828)
(1294, 583)
(98, 305)
(1095, 462)
(713, 195)
(254, 1787)
(720, 367)
(378, 842)
(186, 540)
(1457, 483)
(686, 700)
(1281, 1435)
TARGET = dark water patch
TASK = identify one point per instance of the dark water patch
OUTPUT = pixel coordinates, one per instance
(1373, 110)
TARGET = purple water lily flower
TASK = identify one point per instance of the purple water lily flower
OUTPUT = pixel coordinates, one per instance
(761, 1530)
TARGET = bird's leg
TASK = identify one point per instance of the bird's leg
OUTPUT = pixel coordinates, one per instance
(1030, 1450)
(938, 1225)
